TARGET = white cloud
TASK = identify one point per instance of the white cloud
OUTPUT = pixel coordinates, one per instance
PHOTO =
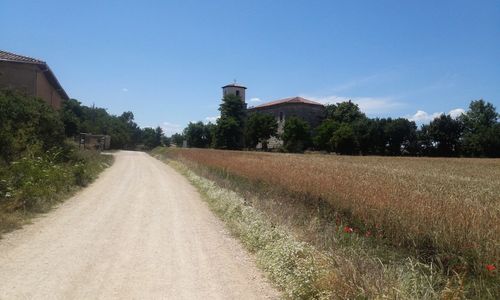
(170, 128)
(455, 113)
(423, 117)
(255, 100)
(125, 90)
(211, 119)
(368, 105)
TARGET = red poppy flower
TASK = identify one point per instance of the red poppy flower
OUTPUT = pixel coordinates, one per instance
(490, 268)
(368, 234)
(348, 229)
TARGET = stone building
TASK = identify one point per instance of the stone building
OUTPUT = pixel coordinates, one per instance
(30, 76)
(310, 111)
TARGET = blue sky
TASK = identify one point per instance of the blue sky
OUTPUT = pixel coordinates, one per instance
(167, 60)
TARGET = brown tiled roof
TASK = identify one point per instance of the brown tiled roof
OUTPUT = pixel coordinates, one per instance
(4, 55)
(16, 58)
(289, 100)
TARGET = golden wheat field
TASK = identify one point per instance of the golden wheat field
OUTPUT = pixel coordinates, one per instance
(446, 208)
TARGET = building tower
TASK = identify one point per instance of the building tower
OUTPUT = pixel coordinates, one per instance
(234, 89)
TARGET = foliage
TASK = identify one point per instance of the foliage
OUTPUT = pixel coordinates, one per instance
(323, 135)
(124, 132)
(402, 136)
(36, 181)
(476, 133)
(228, 133)
(296, 135)
(481, 130)
(445, 133)
(344, 112)
(27, 123)
(198, 135)
(152, 137)
(343, 140)
(259, 128)
(177, 139)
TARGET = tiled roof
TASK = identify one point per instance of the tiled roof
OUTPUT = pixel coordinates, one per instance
(289, 100)
(11, 57)
(4, 55)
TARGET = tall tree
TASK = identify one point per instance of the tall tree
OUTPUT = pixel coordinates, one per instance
(296, 135)
(481, 135)
(345, 112)
(344, 140)
(259, 128)
(402, 136)
(445, 133)
(323, 134)
(229, 131)
(197, 135)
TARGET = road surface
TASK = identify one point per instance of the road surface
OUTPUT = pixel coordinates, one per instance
(141, 231)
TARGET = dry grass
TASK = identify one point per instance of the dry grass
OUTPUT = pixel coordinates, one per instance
(444, 211)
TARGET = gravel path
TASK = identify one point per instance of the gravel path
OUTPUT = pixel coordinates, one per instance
(141, 231)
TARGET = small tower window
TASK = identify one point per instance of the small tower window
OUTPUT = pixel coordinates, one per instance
(237, 93)
(281, 116)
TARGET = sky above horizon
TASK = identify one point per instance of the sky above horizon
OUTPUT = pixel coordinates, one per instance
(166, 61)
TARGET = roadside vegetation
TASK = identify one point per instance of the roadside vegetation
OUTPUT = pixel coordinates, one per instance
(381, 226)
(39, 167)
(124, 132)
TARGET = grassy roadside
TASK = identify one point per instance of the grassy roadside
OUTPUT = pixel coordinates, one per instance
(308, 255)
(33, 184)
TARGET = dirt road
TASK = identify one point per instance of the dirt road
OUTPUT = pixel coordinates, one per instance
(141, 231)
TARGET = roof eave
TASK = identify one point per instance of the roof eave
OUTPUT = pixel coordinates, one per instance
(53, 80)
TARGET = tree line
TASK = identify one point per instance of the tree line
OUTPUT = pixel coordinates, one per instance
(347, 130)
(29, 125)
(124, 132)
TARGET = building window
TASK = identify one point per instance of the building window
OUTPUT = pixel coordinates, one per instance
(281, 116)
(237, 93)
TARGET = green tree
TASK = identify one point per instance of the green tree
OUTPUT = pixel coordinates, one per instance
(259, 128)
(177, 139)
(27, 123)
(425, 145)
(152, 137)
(229, 131)
(344, 112)
(197, 135)
(401, 136)
(445, 133)
(481, 135)
(71, 115)
(343, 140)
(296, 135)
(323, 134)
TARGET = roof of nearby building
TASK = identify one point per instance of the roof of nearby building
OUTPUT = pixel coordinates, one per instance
(4, 55)
(289, 100)
(234, 85)
(16, 58)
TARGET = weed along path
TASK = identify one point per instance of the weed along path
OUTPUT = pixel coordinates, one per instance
(140, 231)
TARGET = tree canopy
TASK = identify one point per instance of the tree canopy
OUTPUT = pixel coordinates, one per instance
(229, 130)
(259, 128)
